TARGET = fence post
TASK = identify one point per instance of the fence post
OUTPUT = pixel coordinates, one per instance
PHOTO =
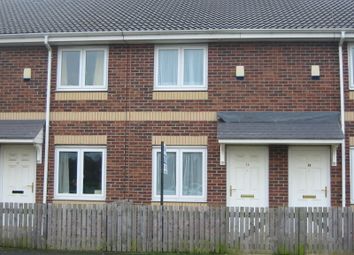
(302, 230)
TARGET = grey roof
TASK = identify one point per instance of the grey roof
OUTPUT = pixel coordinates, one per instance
(55, 16)
(279, 125)
(20, 129)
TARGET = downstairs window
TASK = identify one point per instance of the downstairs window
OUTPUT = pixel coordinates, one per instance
(186, 177)
(80, 173)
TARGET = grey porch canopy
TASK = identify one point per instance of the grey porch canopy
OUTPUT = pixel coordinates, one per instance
(24, 131)
(279, 126)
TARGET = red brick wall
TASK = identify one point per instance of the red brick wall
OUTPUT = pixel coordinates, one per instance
(278, 175)
(116, 156)
(277, 78)
(349, 133)
(336, 181)
(17, 95)
(129, 169)
(349, 107)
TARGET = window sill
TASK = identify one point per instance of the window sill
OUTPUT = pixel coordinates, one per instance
(77, 202)
(82, 89)
(179, 95)
(80, 95)
(181, 88)
(79, 198)
(180, 203)
(180, 200)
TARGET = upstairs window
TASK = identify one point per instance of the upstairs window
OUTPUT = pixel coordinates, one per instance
(82, 68)
(181, 67)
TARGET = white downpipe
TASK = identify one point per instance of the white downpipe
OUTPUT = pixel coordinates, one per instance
(47, 120)
(342, 110)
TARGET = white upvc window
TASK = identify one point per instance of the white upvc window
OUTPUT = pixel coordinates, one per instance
(80, 173)
(181, 67)
(82, 68)
(186, 177)
(352, 175)
(351, 65)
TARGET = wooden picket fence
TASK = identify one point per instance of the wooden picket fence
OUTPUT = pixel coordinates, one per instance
(138, 228)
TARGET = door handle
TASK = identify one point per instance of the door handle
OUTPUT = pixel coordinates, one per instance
(32, 186)
(231, 189)
(325, 191)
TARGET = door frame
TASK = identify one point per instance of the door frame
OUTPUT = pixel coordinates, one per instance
(266, 180)
(2, 167)
(323, 148)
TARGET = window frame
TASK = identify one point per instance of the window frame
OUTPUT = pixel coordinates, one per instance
(179, 150)
(79, 195)
(180, 71)
(351, 174)
(350, 51)
(82, 86)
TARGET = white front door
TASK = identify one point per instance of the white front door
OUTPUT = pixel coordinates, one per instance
(247, 176)
(18, 166)
(309, 176)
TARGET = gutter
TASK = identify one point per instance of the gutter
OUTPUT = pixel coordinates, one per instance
(47, 123)
(342, 111)
(176, 36)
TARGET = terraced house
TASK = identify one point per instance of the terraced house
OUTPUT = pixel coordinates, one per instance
(253, 99)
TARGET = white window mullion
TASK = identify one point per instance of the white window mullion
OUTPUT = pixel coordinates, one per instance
(205, 74)
(181, 67)
(156, 68)
(80, 173)
(352, 175)
(82, 68)
(56, 174)
(59, 67)
(351, 67)
(103, 173)
(205, 174)
(105, 70)
(154, 173)
(179, 174)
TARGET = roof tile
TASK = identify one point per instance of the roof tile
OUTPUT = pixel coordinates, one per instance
(52, 16)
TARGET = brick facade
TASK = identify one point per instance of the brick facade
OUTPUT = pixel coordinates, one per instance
(16, 94)
(277, 78)
(278, 175)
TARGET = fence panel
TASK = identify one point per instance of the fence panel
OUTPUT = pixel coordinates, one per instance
(138, 228)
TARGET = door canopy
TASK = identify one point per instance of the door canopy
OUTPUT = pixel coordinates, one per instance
(277, 127)
(23, 132)
(293, 128)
